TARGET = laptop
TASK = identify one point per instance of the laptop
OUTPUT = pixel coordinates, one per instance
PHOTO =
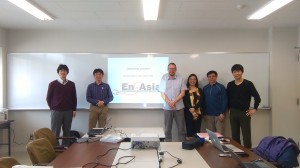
(100, 131)
(256, 164)
(224, 148)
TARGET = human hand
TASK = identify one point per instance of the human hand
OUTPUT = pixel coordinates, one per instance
(100, 103)
(172, 105)
(192, 110)
(250, 112)
(199, 112)
(195, 116)
(221, 117)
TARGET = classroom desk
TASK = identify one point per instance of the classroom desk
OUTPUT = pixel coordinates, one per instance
(211, 155)
(79, 154)
(6, 125)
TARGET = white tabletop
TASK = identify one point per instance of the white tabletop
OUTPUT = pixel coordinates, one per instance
(149, 157)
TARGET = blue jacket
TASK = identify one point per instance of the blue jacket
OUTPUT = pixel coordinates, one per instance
(278, 149)
(215, 99)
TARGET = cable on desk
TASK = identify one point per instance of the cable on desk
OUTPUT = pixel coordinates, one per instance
(179, 161)
(119, 131)
(91, 164)
(97, 163)
(159, 156)
(116, 165)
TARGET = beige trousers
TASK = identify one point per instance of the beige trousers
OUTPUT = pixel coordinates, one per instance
(99, 115)
(215, 125)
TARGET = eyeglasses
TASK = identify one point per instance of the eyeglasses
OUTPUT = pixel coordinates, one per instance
(172, 68)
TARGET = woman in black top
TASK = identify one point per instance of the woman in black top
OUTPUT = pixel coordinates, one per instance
(192, 106)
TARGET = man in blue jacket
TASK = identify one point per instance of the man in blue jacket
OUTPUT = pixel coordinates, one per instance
(215, 103)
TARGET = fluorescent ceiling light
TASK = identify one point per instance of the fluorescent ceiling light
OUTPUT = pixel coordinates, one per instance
(150, 9)
(268, 8)
(23, 4)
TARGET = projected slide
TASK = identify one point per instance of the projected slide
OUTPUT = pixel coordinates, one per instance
(136, 79)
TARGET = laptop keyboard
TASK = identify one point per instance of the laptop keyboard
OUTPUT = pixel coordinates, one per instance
(225, 148)
(96, 132)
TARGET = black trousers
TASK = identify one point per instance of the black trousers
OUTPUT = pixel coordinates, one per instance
(192, 126)
(239, 121)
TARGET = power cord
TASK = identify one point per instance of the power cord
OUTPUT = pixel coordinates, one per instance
(97, 163)
(160, 156)
(119, 131)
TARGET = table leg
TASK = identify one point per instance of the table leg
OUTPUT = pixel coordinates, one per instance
(9, 152)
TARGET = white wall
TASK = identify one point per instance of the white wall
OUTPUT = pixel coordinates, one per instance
(298, 53)
(2, 66)
(2, 37)
(284, 82)
(2, 80)
(165, 41)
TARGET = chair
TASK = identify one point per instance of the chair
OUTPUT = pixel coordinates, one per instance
(50, 136)
(8, 162)
(40, 151)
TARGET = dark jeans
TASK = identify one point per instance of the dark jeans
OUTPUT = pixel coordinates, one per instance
(239, 120)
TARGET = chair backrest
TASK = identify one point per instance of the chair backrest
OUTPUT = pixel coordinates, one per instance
(8, 162)
(47, 134)
(40, 151)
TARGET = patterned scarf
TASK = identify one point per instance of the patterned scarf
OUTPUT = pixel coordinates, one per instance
(195, 98)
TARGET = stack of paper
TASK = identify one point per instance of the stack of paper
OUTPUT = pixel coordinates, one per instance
(112, 138)
(205, 134)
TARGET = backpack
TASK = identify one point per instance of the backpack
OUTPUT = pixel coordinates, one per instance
(278, 149)
(75, 134)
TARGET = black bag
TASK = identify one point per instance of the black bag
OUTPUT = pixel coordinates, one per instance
(75, 134)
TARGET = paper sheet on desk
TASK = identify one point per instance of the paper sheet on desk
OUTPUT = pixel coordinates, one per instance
(112, 138)
(205, 135)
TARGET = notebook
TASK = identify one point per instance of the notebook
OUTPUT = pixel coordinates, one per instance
(100, 131)
(224, 148)
(256, 164)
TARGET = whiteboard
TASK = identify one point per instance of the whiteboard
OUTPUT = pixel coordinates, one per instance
(28, 74)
